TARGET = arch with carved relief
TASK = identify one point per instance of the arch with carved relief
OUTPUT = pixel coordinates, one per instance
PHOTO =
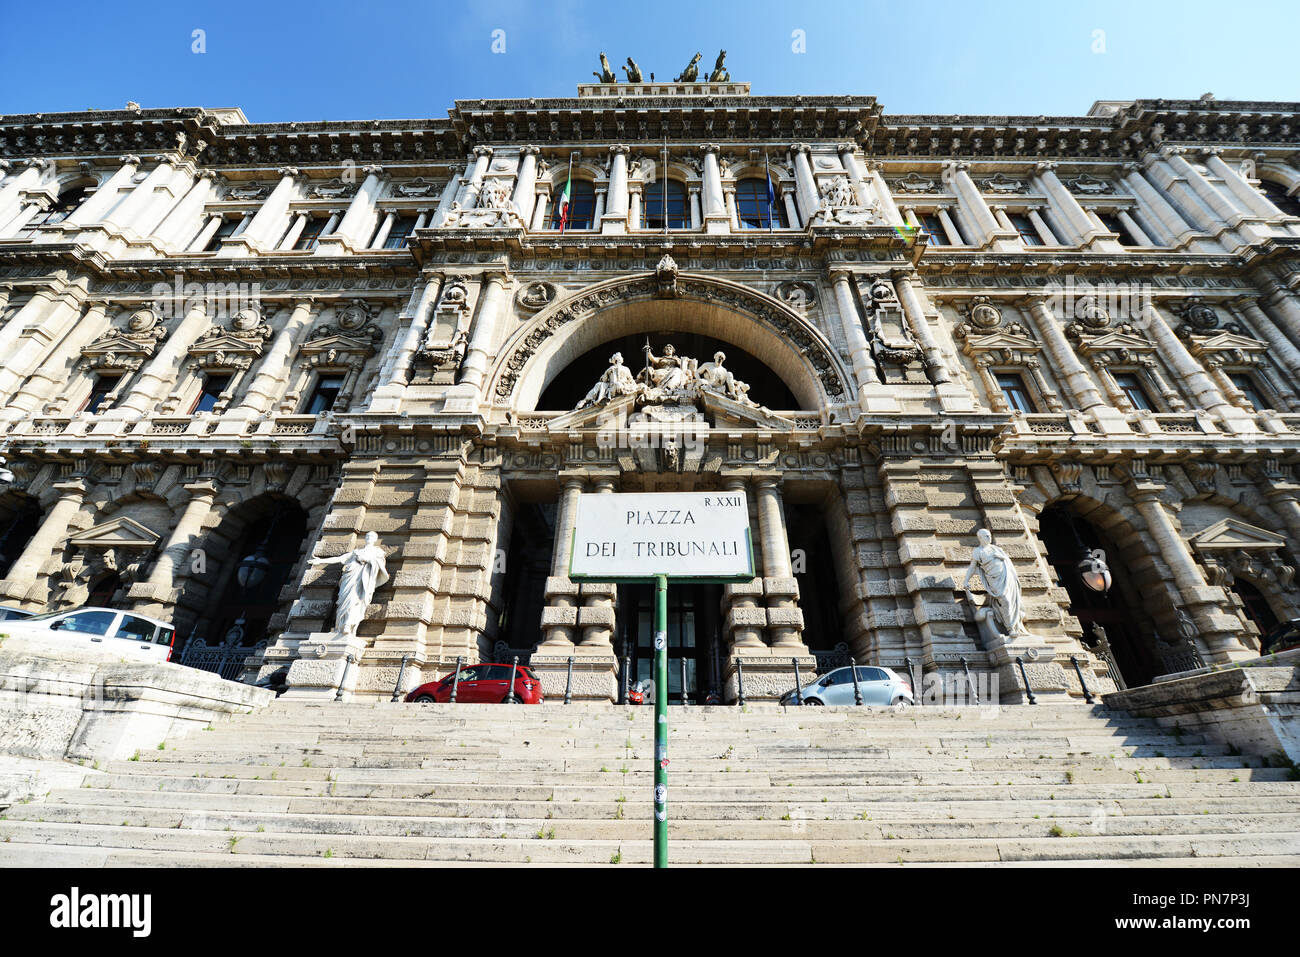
(790, 346)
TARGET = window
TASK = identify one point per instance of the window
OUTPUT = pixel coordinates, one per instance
(582, 205)
(1025, 227)
(103, 386)
(1131, 386)
(752, 207)
(1277, 195)
(136, 628)
(324, 395)
(933, 227)
(85, 622)
(653, 205)
(1016, 392)
(310, 234)
(228, 226)
(1246, 384)
(1116, 225)
(402, 227)
(213, 386)
(59, 210)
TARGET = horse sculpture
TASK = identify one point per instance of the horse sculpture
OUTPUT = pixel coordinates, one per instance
(606, 75)
(692, 71)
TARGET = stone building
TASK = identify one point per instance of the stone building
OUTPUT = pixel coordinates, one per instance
(231, 347)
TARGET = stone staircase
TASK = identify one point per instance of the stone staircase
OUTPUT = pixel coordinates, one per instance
(363, 784)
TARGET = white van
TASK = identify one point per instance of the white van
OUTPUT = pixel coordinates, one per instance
(133, 636)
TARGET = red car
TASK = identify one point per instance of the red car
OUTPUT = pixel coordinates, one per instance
(483, 684)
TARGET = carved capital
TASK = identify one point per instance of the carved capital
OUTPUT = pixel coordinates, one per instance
(619, 149)
(483, 152)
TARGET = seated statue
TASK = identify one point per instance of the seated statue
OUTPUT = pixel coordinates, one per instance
(668, 372)
(616, 381)
(715, 377)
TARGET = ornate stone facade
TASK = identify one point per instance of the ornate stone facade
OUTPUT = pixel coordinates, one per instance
(230, 349)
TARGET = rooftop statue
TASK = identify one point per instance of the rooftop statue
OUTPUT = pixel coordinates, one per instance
(616, 381)
(633, 71)
(667, 379)
(719, 74)
(691, 73)
(606, 75)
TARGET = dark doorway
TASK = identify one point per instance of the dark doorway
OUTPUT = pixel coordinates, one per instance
(102, 592)
(528, 562)
(569, 387)
(694, 637)
(1255, 605)
(18, 523)
(814, 569)
(1129, 628)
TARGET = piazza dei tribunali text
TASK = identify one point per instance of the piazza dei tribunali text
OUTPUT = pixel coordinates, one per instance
(232, 350)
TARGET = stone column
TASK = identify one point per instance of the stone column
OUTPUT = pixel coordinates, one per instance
(805, 183)
(26, 214)
(715, 210)
(381, 235)
(1281, 349)
(29, 177)
(1176, 229)
(1067, 207)
(784, 619)
(1190, 372)
(1245, 194)
(291, 237)
(697, 219)
(31, 341)
(473, 182)
(272, 373)
(936, 368)
(482, 341)
(1000, 214)
(157, 594)
(560, 616)
(54, 529)
(51, 375)
(875, 179)
(267, 223)
(615, 218)
(864, 368)
(1081, 389)
(596, 616)
(541, 205)
(135, 212)
(1217, 631)
(634, 217)
(979, 215)
(744, 618)
(849, 160)
(161, 370)
(1134, 229)
(178, 225)
(525, 194)
(413, 322)
(1225, 213)
(106, 196)
(29, 313)
(729, 194)
(449, 194)
(791, 210)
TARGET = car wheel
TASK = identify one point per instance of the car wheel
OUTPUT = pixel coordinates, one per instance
(425, 699)
(817, 701)
(901, 702)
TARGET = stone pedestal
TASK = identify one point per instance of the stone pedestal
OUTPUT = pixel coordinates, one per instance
(595, 675)
(769, 673)
(327, 663)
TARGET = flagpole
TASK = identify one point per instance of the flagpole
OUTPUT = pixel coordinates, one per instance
(664, 157)
(767, 170)
(568, 184)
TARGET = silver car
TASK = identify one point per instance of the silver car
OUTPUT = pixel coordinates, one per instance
(878, 686)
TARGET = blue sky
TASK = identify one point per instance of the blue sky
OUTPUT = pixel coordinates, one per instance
(363, 60)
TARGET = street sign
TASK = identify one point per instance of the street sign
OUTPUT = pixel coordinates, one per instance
(637, 536)
(657, 536)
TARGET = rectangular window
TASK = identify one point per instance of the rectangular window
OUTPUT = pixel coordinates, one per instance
(402, 227)
(310, 234)
(213, 386)
(1025, 227)
(1016, 392)
(103, 386)
(1116, 225)
(1131, 386)
(933, 227)
(228, 226)
(324, 395)
(1246, 383)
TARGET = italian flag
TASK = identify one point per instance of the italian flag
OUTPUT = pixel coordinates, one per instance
(564, 202)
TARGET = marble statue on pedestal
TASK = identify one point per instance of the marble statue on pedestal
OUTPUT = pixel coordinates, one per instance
(1001, 583)
(364, 570)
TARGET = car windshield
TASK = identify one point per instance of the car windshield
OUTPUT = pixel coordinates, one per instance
(46, 616)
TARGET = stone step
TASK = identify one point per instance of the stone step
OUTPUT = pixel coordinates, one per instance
(972, 809)
(546, 849)
(793, 824)
(609, 791)
(40, 855)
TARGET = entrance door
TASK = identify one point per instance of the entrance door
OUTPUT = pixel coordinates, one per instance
(693, 634)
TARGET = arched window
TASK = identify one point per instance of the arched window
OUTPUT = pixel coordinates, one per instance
(667, 197)
(1277, 195)
(753, 208)
(60, 210)
(582, 205)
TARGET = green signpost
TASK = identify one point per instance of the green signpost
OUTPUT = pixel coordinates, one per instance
(634, 537)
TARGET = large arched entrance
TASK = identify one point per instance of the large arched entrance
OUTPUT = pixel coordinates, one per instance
(1118, 622)
(20, 517)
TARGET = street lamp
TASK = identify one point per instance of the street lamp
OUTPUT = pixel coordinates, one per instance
(1094, 571)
